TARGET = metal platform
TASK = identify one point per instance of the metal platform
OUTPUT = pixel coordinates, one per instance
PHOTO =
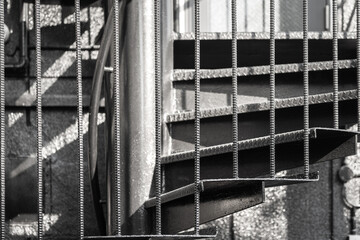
(216, 161)
(218, 198)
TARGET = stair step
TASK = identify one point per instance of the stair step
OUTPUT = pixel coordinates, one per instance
(189, 74)
(204, 234)
(215, 54)
(216, 162)
(262, 35)
(218, 198)
(255, 107)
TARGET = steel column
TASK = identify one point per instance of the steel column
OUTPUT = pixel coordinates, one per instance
(137, 116)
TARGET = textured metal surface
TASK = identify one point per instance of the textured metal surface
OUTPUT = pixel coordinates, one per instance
(262, 35)
(116, 97)
(272, 90)
(80, 120)
(283, 103)
(39, 120)
(335, 62)
(306, 87)
(157, 54)
(234, 91)
(219, 198)
(2, 121)
(184, 74)
(197, 120)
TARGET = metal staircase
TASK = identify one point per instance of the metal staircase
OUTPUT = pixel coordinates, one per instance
(223, 175)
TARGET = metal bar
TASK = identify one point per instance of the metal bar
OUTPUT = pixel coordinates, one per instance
(2, 118)
(80, 119)
(358, 57)
(234, 89)
(335, 64)
(197, 119)
(306, 89)
(157, 116)
(272, 88)
(39, 119)
(116, 76)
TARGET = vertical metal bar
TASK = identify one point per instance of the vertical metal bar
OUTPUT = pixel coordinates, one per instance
(39, 119)
(2, 116)
(272, 89)
(116, 76)
(197, 118)
(234, 89)
(80, 119)
(158, 116)
(358, 57)
(335, 64)
(306, 88)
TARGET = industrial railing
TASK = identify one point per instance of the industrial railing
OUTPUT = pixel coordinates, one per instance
(160, 197)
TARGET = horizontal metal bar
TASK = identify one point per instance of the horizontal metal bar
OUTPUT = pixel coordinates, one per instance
(262, 35)
(188, 74)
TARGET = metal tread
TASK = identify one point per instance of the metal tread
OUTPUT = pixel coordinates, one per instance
(219, 198)
(250, 144)
(204, 184)
(188, 74)
(263, 35)
(263, 106)
(204, 234)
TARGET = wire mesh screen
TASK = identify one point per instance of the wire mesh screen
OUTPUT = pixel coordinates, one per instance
(200, 188)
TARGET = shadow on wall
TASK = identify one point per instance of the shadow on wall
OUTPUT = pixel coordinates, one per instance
(60, 148)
